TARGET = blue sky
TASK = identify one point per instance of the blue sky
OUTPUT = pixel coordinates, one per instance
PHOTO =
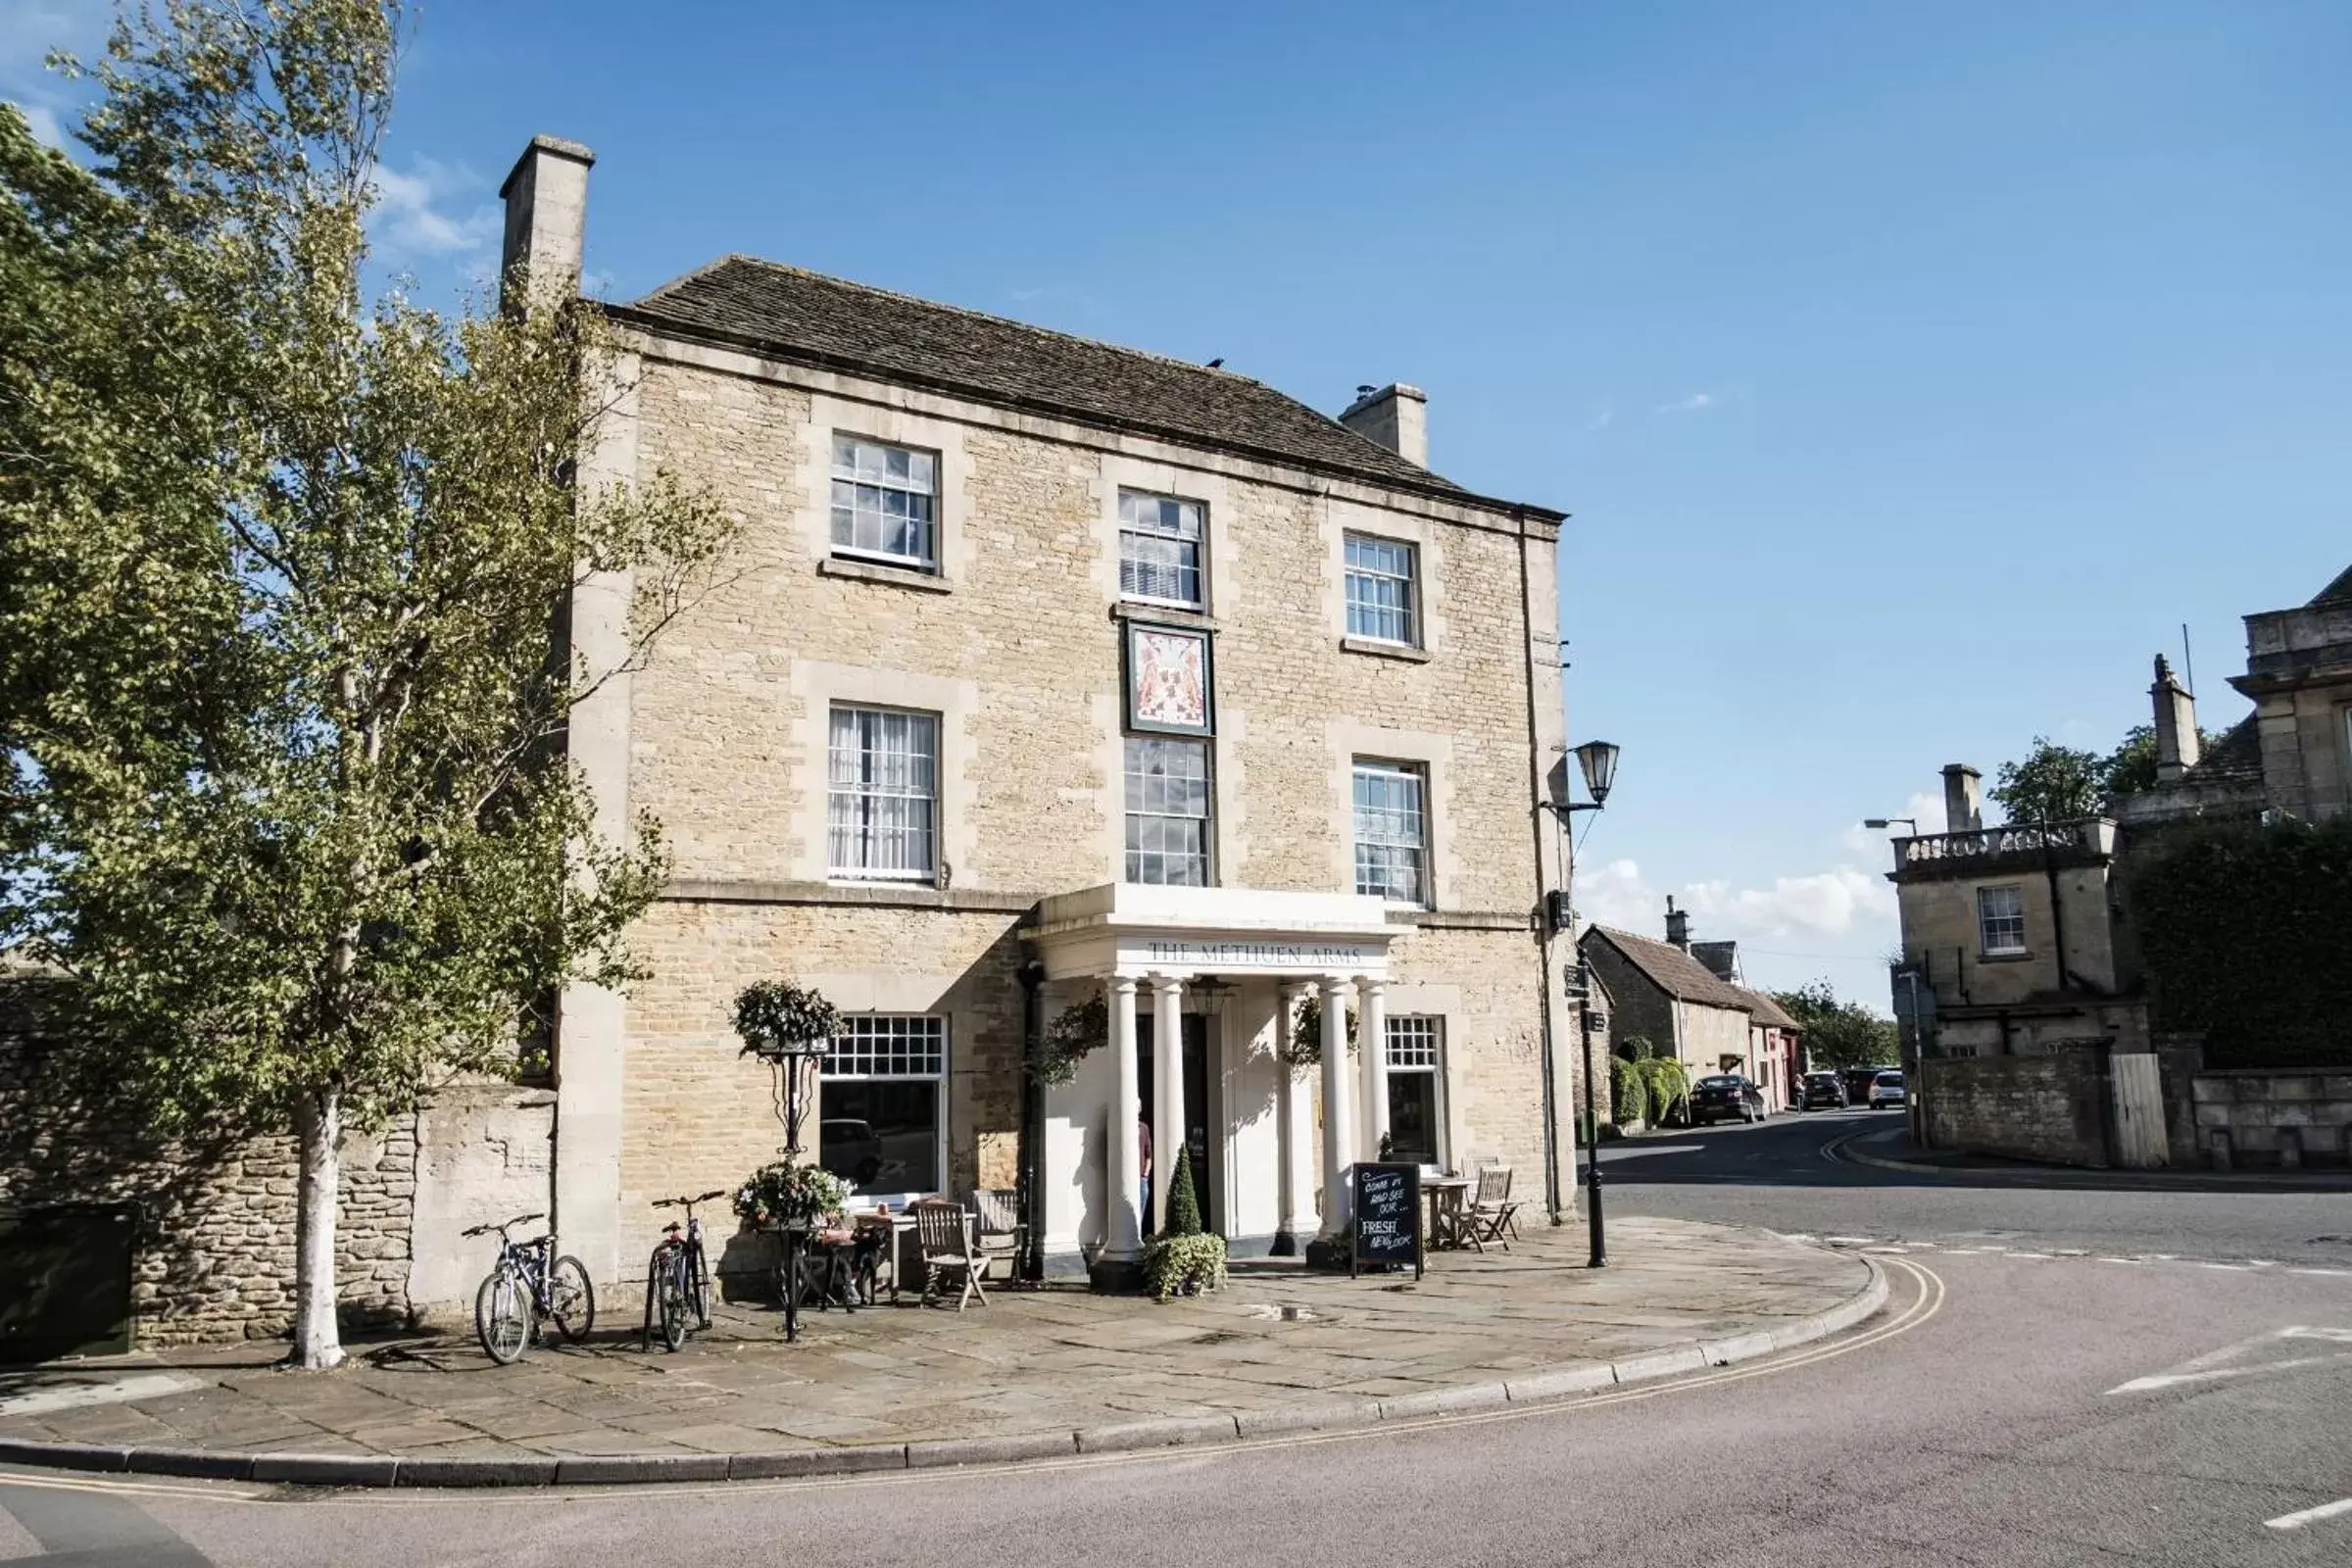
(1913, 372)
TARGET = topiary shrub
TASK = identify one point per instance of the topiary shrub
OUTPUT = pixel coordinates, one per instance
(1182, 1260)
(1668, 1087)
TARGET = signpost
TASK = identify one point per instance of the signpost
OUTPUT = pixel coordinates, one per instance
(1388, 1217)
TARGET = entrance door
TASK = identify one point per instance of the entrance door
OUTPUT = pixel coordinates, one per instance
(1207, 1151)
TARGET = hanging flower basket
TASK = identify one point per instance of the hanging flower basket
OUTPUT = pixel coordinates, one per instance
(776, 1016)
(783, 1193)
(1306, 1048)
(1070, 1038)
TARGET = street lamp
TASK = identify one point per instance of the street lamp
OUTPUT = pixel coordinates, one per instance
(1597, 761)
(1911, 822)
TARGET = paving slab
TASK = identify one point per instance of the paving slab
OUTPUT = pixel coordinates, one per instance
(1045, 1371)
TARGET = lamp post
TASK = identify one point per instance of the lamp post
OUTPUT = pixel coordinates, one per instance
(1597, 761)
(1911, 822)
(793, 1063)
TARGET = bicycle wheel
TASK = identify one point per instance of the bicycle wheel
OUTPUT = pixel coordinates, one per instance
(669, 1302)
(571, 1299)
(502, 1319)
(697, 1287)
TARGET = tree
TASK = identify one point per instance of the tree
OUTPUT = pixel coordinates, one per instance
(2131, 767)
(2053, 784)
(1838, 1034)
(283, 568)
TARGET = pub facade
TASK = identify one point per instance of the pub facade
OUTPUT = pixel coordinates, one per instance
(1047, 671)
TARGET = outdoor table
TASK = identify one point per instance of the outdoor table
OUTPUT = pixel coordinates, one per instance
(1445, 1195)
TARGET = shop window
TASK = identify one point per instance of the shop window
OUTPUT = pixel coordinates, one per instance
(1416, 1114)
(881, 1105)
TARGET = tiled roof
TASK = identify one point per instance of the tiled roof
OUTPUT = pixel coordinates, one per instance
(808, 318)
(1672, 970)
(2338, 592)
(2237, 755)
(1765, 1010)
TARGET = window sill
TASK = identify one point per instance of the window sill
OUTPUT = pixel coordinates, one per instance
(875, 571)
(1166, 614)
(1385, 650)
(2004, 957)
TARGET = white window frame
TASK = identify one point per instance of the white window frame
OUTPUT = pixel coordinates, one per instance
(865, 790)
(883, 485)
(1199, 541)
(1131, 855)
(1416, 774)
(1409, 579)
(1985, 920)
(1416, 1044)
(844, 1049)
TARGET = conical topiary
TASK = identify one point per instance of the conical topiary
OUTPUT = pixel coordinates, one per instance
(1184, 1208)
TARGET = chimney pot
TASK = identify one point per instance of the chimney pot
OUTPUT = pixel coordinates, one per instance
(1678, 925)
(2178, 745)
(1395, 416)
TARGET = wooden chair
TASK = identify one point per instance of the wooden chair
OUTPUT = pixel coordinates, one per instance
(1491, 1213)
(947, 1251)
(1003, 1237)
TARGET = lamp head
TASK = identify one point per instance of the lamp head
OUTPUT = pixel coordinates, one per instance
(1599, 761)
(1876, 821)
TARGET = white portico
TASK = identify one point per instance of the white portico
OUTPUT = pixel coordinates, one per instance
(1206, 982)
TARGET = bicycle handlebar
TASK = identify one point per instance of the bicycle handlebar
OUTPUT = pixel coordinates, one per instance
(673, 1203)
(502, 1226)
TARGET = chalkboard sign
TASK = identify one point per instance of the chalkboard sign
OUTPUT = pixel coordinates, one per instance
(1388, 1217)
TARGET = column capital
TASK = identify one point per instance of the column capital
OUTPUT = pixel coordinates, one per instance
(1122, 983)
(1335, 985)
(1372, 985)
(1168, 984)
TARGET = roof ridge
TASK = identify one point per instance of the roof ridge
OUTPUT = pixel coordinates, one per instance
(985, 315)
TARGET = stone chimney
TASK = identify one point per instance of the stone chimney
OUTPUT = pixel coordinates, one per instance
(2177, 744)
(547, 220)
(1395, 416)
(1962, 811)
(1678, 925)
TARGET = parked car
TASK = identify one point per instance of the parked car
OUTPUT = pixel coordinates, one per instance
(1726, 1095)
(1886, 1090)
(1822, 1091)
(1858, 1081)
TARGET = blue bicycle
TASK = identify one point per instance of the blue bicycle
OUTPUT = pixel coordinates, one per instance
(529, 1283)
(677, 1281)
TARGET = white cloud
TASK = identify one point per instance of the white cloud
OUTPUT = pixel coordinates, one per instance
(1690, 405)
(1617, 894)
(1828, 902)
(417, 215)
(1602, 421)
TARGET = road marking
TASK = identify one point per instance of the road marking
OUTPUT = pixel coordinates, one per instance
(2325, 1273)
(75, 1395)
(1849, 1241)
(2209, 1367)
(2310, 1516)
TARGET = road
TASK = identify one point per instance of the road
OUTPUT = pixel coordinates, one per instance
(2013, 1407)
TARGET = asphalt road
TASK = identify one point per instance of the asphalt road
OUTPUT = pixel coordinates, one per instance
(2012, 1407)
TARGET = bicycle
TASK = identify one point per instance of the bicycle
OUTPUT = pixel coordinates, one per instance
(528, 1283)
(677, 1279)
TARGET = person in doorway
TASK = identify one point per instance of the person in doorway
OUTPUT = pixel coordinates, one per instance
(1143, 1143)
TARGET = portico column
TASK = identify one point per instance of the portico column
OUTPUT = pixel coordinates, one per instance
(1122, 1233)
(1372, 1035)
(1290, 1104)
(1339, 1110)
(1167, 1095)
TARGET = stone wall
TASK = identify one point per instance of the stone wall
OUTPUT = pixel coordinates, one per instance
(2271, 1117)
(2049, 1107)
(215, 1254)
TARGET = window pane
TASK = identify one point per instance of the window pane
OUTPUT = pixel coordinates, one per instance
(881, 799)
(884, 501)
(1167, 812)
(1380, 589)
(1159, 547)
(1391, 832)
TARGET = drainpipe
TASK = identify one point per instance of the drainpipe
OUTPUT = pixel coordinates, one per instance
(1538, 809)
(1031, 1152)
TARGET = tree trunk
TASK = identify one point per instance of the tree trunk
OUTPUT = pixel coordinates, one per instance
(318, 1344)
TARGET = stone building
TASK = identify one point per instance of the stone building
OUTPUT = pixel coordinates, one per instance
(1677, 994)
(1048, 671)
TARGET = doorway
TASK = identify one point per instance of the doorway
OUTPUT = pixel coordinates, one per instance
(1204, 1148)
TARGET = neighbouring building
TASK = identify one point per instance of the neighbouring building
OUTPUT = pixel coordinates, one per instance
(1051, 670)
(1686, 998)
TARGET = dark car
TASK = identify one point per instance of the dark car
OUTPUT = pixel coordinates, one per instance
(1823, 1091)
(1725, 1095)
(1857, 1083)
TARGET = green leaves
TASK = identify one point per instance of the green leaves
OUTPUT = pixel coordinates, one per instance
(1838, 1034)
(283, 575)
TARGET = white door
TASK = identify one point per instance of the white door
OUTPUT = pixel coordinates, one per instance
(2141, 1143)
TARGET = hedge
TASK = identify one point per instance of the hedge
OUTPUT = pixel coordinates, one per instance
(2246, 934)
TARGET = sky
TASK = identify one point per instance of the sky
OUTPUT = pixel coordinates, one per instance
(1913, 375)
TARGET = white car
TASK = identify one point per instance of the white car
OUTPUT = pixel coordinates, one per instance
(1886, 1091)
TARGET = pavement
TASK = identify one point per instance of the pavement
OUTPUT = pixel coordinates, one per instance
(1035, 1374)
(2013, 1405)
(1894, 1149)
